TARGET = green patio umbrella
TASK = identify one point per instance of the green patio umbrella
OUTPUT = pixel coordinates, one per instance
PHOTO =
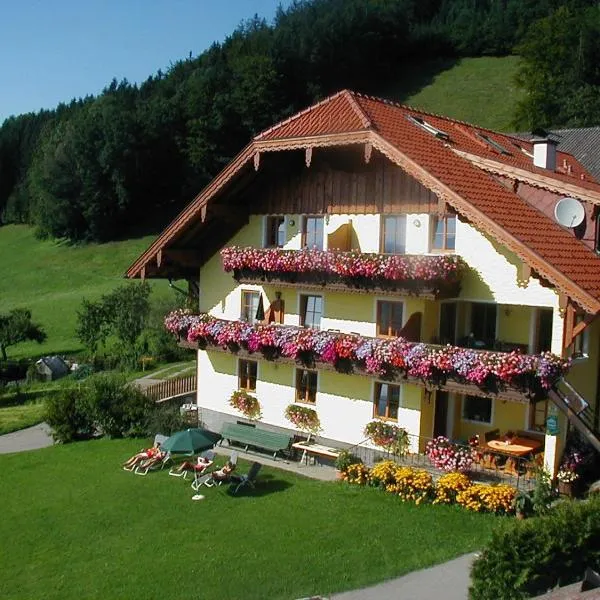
(190, 441)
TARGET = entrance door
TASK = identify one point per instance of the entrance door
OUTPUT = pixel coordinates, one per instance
(440, 417)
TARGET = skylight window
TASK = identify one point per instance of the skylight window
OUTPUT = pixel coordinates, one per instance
(494, 144)
(526, 152)
(428, 127)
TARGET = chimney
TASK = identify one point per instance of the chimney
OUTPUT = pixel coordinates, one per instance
(544, 153)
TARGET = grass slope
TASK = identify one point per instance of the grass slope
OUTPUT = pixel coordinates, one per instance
(87, 527)
(481, 91)
(51, 279)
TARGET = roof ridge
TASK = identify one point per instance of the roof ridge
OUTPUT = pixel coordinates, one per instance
(362, 115)
(348, 94)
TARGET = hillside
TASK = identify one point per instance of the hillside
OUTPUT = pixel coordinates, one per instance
(481, 91)
(51, 278)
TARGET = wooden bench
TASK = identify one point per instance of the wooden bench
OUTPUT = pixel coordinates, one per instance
(272, 441)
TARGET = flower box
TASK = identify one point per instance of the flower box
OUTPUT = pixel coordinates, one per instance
(394, 358)
(433, 275)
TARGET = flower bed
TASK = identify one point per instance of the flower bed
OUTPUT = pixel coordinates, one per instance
(388, 358)
(352, 268)
(417, 485)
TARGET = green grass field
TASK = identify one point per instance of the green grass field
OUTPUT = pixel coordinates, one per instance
(51, 278)
(481, 91)
(75, 525)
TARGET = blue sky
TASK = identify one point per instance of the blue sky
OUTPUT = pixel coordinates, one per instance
(55, 50)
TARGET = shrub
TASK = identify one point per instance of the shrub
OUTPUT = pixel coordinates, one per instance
(357, 473)
(527, 558)
(449, 486)
(412, 485)
(345, 459)
(482, 497)
(68, 416)
(166, 419)
(118, 409)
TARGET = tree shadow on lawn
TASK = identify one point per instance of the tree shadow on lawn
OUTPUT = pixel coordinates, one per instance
(263, 486)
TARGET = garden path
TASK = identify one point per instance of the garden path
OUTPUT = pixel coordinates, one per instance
(31, 438)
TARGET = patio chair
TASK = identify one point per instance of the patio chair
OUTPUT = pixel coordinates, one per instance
(491, 435)
(197, 469)
(153, 464)
(249, 478)
(218, 477)
(142, 456)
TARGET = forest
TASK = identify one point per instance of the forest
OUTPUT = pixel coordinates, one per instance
(121, 163)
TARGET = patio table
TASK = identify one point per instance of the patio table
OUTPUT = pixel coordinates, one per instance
(518, 446)
(315, 449)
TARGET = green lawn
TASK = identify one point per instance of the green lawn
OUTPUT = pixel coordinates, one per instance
(481, 90)
(75, 525)
(13, 418)
(51, 278)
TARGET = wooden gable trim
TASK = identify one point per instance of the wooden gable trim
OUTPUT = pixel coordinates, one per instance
(535, 179)
(487, 225)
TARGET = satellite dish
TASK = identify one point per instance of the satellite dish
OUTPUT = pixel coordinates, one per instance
(569, 212)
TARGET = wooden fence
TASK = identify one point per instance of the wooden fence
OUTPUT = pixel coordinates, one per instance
(171, 388)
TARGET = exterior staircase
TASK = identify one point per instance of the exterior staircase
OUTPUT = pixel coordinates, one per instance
(577, 410)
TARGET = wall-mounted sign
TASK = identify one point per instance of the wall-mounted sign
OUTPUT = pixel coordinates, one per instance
(552, 425)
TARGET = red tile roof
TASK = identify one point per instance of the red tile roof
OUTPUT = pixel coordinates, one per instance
(550, 249)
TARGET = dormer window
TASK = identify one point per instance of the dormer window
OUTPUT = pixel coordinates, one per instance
(597, 244)
(423, 124)
(493, 143)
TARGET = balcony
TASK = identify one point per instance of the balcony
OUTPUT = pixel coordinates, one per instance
(507, 375)
(436, 276)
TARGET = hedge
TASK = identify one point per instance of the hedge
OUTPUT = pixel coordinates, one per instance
(528, 558)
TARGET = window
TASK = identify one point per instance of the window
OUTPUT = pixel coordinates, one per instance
(478, 409)
(483, 324)
(423, 124)
(443, 233)
(311, 309)
(387, 401)
(581, 342)
(247, 371)
(493, 143)
(597, 245)
(538, 412)
(250, 304)
(306, 386)
(312, 232)
(393, 235)
(389, 318)
(275, 232)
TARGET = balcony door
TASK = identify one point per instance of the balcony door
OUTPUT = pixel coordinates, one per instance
(440, 417)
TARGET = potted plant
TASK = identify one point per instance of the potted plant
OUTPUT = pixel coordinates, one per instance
(343, 461)
(304, 418)
(390, 437)
(523, 505)
(247, 404)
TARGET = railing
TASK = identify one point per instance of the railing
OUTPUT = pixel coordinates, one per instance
(577, 410)
(488, 465)
(171, 388)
